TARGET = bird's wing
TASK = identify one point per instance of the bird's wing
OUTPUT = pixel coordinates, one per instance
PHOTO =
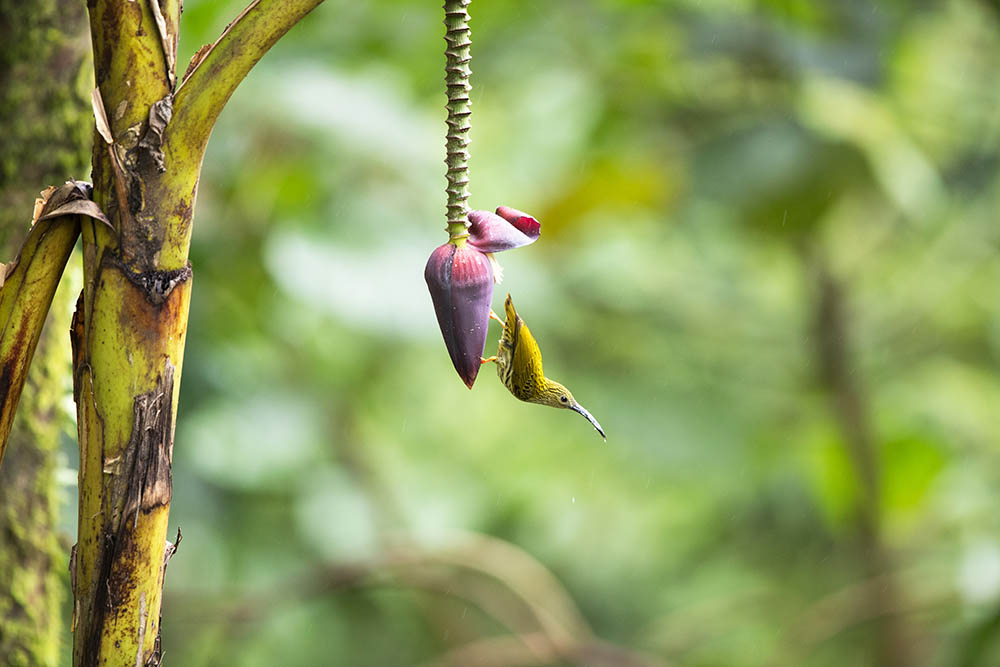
(528, 361)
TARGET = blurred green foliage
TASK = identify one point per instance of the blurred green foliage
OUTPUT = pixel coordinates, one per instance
(709, 174)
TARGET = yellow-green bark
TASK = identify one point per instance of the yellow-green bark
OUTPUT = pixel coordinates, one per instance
(126, 433)
(128, 346)
(24, 302)
(131, 321)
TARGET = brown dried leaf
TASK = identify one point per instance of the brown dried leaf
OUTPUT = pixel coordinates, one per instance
(40, 202)
(152, 141)
(101, 116)
(79, 207)
(169, 51)
(196, 59)
(73, 198)
(171, 547)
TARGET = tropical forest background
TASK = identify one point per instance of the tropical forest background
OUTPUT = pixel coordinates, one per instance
(768, 265)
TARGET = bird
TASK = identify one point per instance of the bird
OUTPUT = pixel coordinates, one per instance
(519, 365)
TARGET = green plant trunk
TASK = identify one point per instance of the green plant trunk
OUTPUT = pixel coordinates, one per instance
(45, 113)
(128, 340)
(131, 320)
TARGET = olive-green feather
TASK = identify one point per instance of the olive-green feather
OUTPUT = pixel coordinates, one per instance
(519, 360)
(519, 365)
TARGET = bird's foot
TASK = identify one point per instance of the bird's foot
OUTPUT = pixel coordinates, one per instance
(494, 316)
(486, 361)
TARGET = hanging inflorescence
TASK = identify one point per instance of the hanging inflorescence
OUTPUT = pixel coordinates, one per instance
(461, 273)
(457, 73)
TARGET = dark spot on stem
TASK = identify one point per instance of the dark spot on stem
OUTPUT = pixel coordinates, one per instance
(5, 377)
(155, 285)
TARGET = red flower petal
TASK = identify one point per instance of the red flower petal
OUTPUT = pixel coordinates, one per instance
(524, 222)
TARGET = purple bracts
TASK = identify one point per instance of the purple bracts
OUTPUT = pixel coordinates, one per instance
(460, 280)
(490, 232)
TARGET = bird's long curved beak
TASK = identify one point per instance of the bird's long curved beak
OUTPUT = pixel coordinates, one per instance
(590, 418)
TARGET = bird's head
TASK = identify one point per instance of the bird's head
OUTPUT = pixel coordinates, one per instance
(558, 396)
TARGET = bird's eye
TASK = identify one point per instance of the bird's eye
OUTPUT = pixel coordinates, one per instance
(563, 399)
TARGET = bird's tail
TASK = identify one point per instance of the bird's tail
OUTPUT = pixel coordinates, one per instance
(508, 307)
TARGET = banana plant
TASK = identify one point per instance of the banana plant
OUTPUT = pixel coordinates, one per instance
(128, 332)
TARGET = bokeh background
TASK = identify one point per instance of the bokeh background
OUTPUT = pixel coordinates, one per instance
(768, 266)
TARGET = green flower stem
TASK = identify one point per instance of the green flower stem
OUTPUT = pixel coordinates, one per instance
(457, 74)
